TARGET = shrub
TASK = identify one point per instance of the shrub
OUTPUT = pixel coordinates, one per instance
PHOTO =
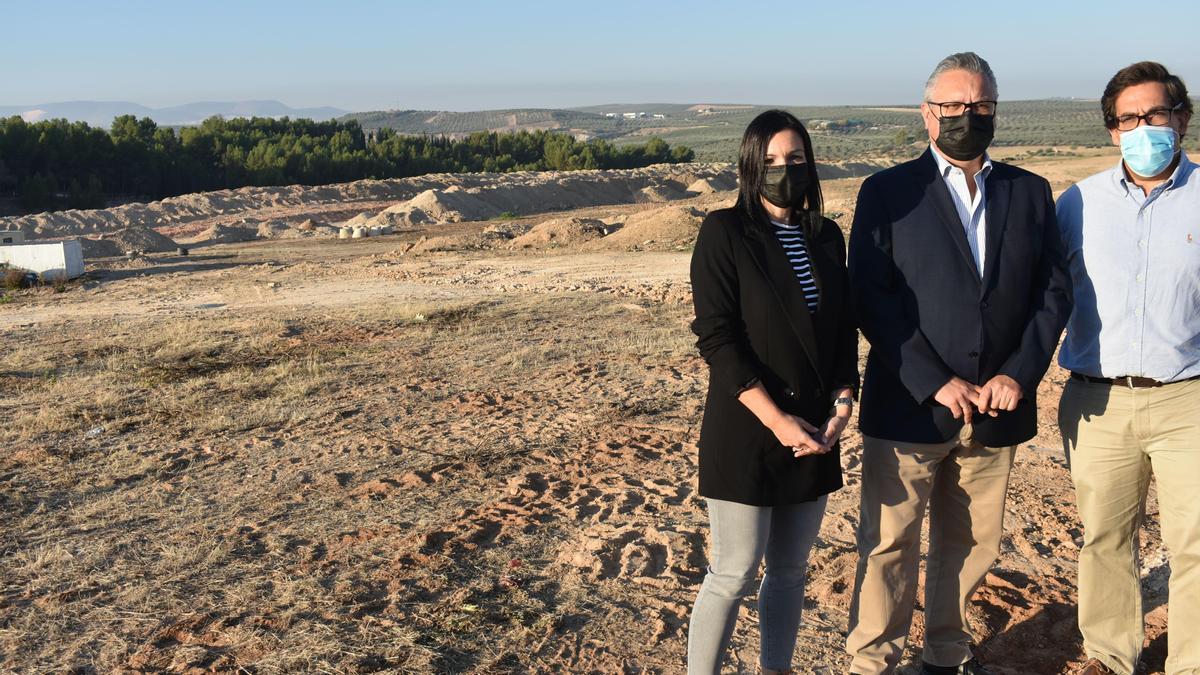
(13, 279)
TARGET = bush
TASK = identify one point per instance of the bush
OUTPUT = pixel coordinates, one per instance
(13, 279)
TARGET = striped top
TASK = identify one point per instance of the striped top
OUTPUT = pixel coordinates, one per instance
(791, 237)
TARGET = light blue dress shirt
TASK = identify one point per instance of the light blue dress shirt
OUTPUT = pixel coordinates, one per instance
(1135, 265)
(971, 211)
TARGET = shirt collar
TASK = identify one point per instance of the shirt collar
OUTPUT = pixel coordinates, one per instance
(944, 166)
(1178, 176)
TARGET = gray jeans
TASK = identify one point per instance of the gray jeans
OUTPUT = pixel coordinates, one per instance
(741, 536)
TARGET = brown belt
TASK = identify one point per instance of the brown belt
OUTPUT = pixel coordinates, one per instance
(1131, 381)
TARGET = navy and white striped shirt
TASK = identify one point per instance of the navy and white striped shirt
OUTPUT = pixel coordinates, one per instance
(791, 237)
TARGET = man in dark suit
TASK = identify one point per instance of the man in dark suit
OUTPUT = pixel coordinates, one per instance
(960, 284)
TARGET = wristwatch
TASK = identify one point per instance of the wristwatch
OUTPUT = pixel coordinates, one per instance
(840, 401)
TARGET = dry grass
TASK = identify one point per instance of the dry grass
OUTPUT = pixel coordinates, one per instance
(182, 493)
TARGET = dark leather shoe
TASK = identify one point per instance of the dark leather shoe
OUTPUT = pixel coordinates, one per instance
(972, 667)
(1094, 667)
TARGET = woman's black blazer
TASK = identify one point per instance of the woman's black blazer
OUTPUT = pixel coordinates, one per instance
(754, 325)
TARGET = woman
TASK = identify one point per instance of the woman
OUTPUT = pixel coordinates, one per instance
(773, 319)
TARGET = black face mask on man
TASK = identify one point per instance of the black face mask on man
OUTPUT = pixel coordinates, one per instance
(965, 137)
(785, 185)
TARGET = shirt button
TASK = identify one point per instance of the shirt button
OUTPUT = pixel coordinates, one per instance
(1140, 277)
(1141, 243)
(1138, 312)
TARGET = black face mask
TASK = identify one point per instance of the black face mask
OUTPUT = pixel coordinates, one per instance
(785, 186)
(965, 137)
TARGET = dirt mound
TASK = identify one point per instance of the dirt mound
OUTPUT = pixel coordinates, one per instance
(361, 220)
(562, 232)
(666, 228)
(450, 205)
(99, 248)
(507, 229)
(140, 239)
(226, 234)
(707, 186)
(278, 229)
(422, 200)
(853, 169)
(666, 191)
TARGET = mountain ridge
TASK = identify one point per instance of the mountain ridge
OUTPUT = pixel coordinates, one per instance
(101, 113)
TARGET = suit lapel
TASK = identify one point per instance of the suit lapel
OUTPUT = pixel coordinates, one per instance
(934, 186)
(998, 194)
(769, 256)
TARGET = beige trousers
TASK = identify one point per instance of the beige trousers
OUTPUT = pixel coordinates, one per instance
(1115, 437)
(963, 484)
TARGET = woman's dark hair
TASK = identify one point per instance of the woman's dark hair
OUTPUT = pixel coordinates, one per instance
(1141, 73)
(752, 166)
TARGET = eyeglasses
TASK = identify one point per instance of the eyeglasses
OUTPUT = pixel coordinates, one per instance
(1159, 117)
(958, 108)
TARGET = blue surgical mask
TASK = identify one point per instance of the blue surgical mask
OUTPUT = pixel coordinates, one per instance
(1148, 150)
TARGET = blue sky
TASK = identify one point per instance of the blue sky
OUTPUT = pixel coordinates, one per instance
(471, 55)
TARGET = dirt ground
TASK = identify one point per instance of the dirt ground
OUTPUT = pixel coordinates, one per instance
(338, 456)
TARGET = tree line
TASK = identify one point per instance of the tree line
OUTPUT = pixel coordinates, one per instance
(59, 164)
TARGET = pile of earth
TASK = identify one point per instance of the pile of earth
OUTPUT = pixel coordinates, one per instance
(563, 232)
(437, 197)
(227, 234)
(280, 229)
(127, 240)
(532, 193)
(666, 228)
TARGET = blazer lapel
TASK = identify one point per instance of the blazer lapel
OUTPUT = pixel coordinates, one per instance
(998, 194)
(939, 195)
(769, 256)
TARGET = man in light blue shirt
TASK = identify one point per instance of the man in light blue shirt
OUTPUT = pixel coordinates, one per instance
(1132, 405)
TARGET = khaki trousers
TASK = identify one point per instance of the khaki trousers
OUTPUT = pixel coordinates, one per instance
(963, 484)
(1115, 437)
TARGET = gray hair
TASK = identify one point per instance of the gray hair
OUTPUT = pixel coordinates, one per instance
(968, 61)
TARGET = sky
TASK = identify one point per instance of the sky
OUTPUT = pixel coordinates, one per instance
(474, 55)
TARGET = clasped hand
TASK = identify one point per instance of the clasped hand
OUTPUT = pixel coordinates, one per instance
(964, 399)
(804, 438)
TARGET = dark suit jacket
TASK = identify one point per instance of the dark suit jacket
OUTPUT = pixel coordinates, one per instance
(754, 325)
(921, 303)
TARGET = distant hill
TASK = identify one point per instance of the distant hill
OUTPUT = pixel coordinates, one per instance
(713, 130)
(101, 113)
(450, 123)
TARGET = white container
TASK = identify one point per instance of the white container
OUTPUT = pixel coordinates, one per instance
(56, 260)
(359, 232)
(344, 233)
